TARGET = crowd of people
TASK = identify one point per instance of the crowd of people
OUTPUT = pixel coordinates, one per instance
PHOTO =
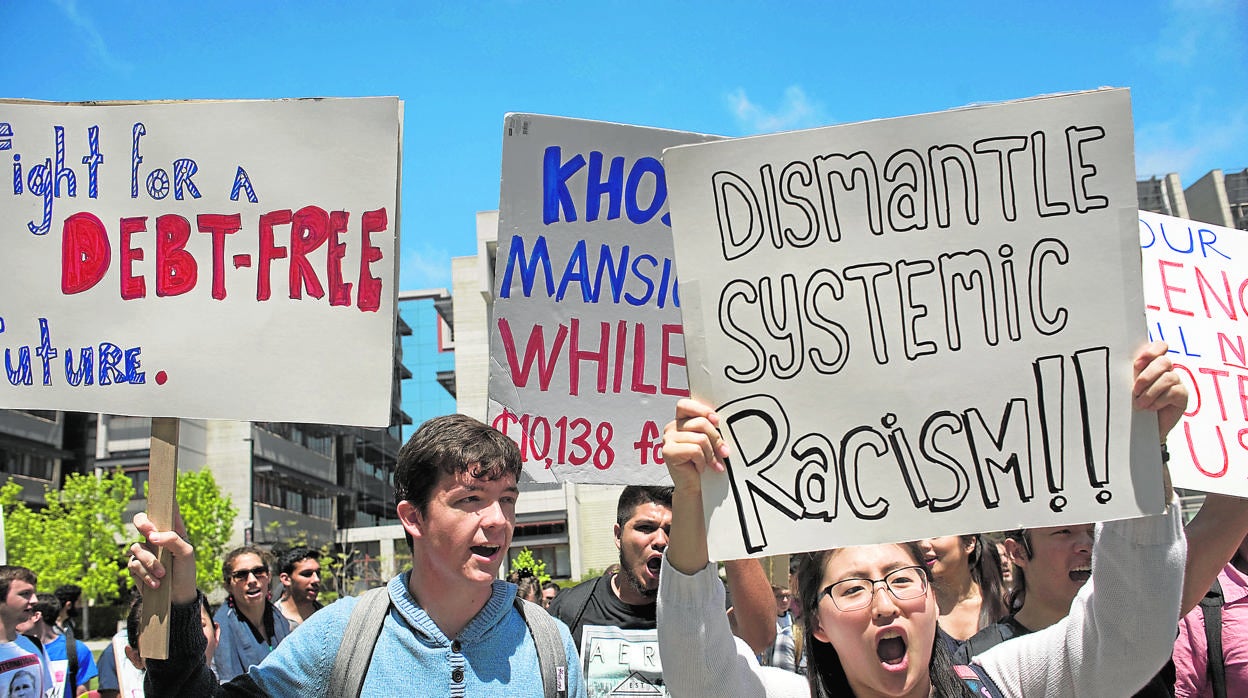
(1058, 611)
(44, 655)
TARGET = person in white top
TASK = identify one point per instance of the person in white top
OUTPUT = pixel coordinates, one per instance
(871, 615)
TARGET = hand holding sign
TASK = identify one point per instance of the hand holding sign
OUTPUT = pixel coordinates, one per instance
(1157, 386)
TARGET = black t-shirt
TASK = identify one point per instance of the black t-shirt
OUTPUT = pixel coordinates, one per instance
(593, 603)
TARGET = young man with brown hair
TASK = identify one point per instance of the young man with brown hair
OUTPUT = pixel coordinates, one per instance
(452, 628)
(18, 655)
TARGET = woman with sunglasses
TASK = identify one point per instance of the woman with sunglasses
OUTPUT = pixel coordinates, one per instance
(251, 626)
(871, 614)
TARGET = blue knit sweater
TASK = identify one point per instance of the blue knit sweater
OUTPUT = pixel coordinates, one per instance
(493, 656)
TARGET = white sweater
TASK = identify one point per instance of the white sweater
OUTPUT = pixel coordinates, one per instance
(1110, 644)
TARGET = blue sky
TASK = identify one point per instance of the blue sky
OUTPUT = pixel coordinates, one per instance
(729, 68)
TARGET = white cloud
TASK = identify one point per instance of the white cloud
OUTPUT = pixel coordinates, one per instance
(795, 111)
(94, 39)
(426, 267)
(1199, 31)
(1190, 143)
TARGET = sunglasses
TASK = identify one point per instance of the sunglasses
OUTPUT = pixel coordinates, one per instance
(242, 575)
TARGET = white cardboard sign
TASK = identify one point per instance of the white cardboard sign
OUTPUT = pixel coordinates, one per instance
(586, 348)
(231, 260)
(918, 326)
(1196, 285)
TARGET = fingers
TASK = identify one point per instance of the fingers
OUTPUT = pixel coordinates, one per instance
(144, 565)
(1156, 384)
(693, 438)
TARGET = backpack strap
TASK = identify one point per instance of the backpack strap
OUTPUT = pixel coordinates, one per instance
(576, 621)
(358, 640)
(368, 616)
(550, 654)
(71, 655)
(1211, 605)
(978, 680)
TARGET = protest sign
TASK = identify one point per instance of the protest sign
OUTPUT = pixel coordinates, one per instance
(231, 260)
(586, 350)
(1196, 286)
(918, 326)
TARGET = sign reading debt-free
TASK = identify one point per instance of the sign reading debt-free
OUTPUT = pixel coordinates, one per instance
(1196, 285)
(918, 326)
(586, 347)
(200, 259)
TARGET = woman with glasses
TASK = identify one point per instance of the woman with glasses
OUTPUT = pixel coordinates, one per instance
(871, 615)
(251, 626)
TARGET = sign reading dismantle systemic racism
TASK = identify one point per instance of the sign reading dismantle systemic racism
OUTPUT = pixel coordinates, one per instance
(918, 326)
(224, 259)
(587, 353)
(1196, 285)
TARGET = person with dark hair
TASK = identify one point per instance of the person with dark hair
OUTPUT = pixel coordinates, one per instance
(550, 591)
(47, 607)
(299, 570)
(125, 644)
(18, 654)
(1052, 563)
(251, 625)
(870, 614)
(68, 596)
(967, 574)
(617, 609)
(448, 625)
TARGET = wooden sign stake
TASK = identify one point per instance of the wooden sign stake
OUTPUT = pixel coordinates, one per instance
(162, 481)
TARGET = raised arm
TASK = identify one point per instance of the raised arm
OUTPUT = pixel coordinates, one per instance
(691, 445)
(1121, 626)
(1216, 531)
(185, 672)
(1213, 536)
(699, 653)
(753, 613)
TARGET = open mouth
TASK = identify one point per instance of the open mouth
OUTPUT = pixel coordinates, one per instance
(654, 564)
(891, 650)
(484, 550)
(1081, 574)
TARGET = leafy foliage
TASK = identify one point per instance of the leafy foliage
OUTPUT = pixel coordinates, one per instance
(526, 562)
(77, 538)
(209, 517)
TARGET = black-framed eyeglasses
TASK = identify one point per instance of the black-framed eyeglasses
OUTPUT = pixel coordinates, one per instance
(856, 593)
(242, 575)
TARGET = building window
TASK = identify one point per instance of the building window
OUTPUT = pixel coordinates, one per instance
(269, 490)
(139, 479)
(28, 464)
(295, 433)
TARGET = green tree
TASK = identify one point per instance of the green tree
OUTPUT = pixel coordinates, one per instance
(77, 538)
(209, 517)
(525, 561)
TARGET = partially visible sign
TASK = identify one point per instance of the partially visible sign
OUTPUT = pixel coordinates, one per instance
(1196, 285)
(917, 327)
(587, 356)
(200, 259)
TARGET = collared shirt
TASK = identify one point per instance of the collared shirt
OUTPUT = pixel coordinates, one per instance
(1191, 649)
